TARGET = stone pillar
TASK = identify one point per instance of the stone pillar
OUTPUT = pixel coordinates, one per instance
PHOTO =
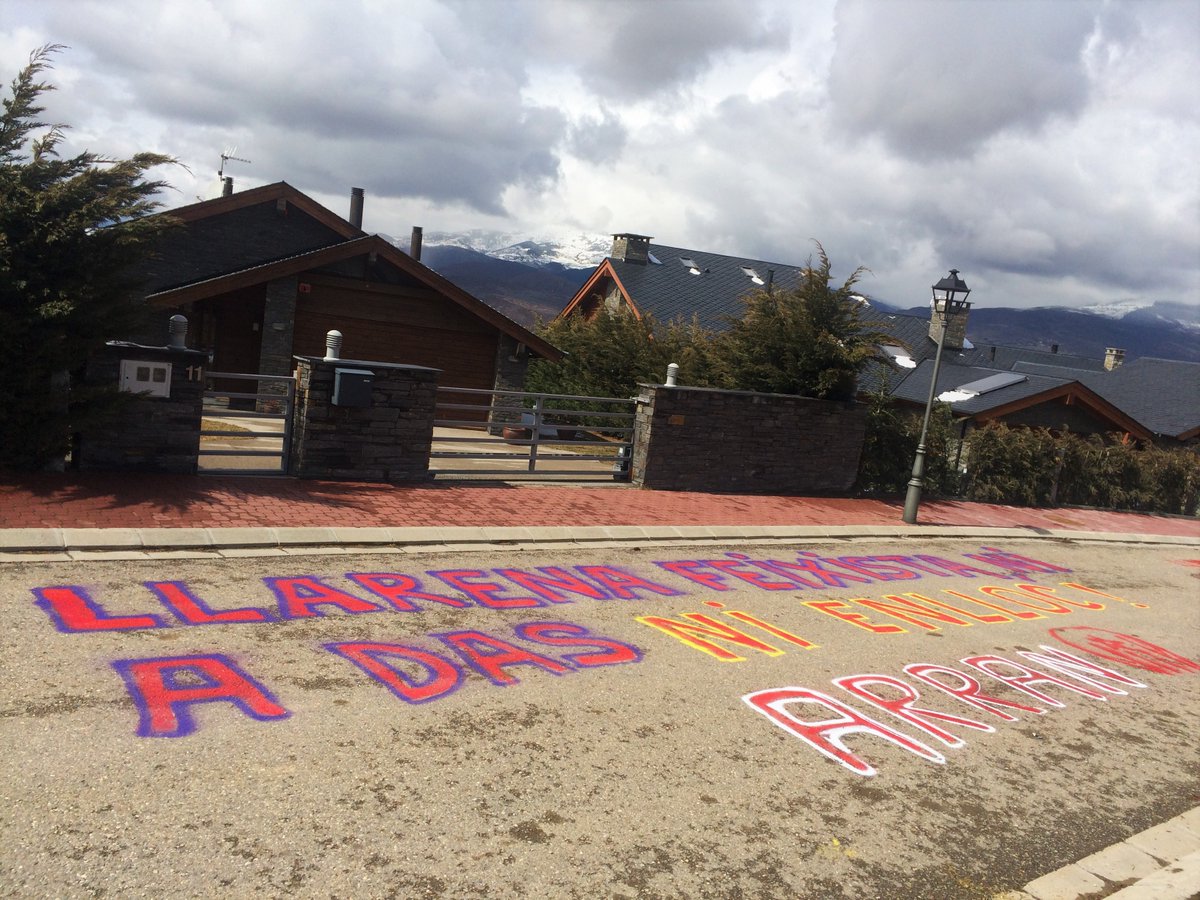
(699, 439)
(512, 360)
(388, 440)
(279, 318)
(278, 329)
(148, 433)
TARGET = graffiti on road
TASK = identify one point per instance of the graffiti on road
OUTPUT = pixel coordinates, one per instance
(898, 698)
(165, 690)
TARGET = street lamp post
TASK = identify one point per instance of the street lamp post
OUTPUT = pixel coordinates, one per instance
(949, 299)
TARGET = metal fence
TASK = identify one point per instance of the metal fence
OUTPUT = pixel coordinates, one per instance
(246, 432)
(519, 435)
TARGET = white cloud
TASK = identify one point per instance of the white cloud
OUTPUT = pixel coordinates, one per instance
(1048, 150)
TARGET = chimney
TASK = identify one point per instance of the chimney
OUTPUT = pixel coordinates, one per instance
(414, 246)
(631, 248)
(1113, 357)
(1054, 348)
(955, 325)
(227, 186)
(356, 207)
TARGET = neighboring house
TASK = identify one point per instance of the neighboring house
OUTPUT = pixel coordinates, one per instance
(673, 283)
(1147, 399)
(1162, 394)
(263, 274)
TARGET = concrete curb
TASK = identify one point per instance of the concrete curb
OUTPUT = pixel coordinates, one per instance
(18, 544)
(1160, 863)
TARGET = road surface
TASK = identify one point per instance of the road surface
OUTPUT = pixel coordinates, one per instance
(671, 721)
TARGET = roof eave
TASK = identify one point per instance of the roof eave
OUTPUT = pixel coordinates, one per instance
(605, 268)
(302, 262)
(280, 190)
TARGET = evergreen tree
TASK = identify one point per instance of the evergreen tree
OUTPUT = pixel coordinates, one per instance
(71, 231)
(608, 354)
(806, 340)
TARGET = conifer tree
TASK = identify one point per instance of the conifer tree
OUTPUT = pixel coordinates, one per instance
(807, 339)
(71, 231)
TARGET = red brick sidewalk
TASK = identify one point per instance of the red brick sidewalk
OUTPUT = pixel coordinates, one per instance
(165, 501)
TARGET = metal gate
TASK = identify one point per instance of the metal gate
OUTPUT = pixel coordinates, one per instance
(519, 435)
(246, 432)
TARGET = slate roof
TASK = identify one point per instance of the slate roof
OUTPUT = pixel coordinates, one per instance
(668, 290)
(915, 388)
(251, 237)
(1009, 357)
(1162, 394)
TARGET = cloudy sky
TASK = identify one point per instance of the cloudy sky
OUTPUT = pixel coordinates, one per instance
(1049, 149)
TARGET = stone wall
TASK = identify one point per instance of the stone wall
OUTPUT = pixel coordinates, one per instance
(698, 439)
(387, 441)
(149, 434)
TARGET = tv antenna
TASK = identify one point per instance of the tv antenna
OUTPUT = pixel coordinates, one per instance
(225, 157)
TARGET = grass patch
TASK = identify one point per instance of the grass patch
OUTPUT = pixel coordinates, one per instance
(222, 425)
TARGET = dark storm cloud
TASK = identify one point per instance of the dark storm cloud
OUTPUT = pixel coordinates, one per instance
(937, 79)
(406, 105)
(629, 50)
(598, 138)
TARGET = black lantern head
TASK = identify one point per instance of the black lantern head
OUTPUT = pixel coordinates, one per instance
(950, 294)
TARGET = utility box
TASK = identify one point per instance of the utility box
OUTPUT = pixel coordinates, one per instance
(140, 376)
(352, 387)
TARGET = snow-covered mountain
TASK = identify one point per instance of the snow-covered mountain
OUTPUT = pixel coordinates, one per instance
(530, 278)
(1148, 312)
(579, 251)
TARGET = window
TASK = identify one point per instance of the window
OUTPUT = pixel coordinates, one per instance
(991, 383)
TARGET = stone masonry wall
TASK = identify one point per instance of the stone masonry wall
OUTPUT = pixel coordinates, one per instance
(150, 434)
(512, 361)
(388, 441)
(279, 318)
(698, 439)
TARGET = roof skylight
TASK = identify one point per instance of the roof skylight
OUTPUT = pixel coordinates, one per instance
(992, 383)
(654, 259)
(752, 275)
(690, 264)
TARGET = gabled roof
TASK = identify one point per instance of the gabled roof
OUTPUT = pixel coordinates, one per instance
(280, 190)
(1162, 394)
(360, 246)
(1031, 390)
(681, 284)
(1000, 357)
(227, 256)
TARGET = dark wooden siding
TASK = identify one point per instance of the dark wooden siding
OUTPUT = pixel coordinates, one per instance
(417, 327)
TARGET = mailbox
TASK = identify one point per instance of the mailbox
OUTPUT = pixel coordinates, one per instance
(352, 387)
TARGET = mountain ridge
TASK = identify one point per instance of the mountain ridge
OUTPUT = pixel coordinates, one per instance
(533, 278)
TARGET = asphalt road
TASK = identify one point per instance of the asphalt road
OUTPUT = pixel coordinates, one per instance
(342, 736)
